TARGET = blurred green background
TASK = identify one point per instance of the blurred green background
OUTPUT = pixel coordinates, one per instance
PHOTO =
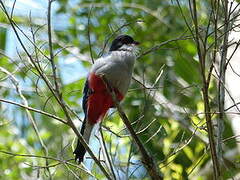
(172, 104)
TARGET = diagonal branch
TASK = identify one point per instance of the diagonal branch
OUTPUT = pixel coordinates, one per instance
(66, 162)
(34, 110)
(147, 159)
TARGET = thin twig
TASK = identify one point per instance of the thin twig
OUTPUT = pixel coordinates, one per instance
(89, 35)
(47, 157)
(154, 48)
(13, 6)
(34, 110)
(54, 68)
(106, 153)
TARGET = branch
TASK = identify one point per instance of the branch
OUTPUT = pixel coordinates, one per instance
(154, 48)
(51, 48)
(89, 36)
(34, 110)
(202, 57)
(106, 153)
(47, 158)
(147, 159)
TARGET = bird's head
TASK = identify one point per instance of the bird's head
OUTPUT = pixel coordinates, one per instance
(124, 43)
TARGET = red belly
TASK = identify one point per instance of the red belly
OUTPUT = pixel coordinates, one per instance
(100, 100)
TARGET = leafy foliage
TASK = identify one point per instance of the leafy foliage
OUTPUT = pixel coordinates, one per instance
(171, 105)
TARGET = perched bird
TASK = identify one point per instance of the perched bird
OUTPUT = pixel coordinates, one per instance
(117, 68)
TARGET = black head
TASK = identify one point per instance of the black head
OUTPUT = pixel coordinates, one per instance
(121, 40)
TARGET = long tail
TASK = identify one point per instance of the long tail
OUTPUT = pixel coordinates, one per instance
(86, 133)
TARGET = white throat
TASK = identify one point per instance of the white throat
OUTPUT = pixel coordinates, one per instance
(129, 48)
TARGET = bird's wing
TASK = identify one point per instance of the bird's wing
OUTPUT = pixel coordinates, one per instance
(85, 97)
(80, 150)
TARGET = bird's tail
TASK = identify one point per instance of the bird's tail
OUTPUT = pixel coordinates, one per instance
(86, 133)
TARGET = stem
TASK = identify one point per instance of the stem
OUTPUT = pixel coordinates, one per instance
(51, 48)
(207, 109)
(107, 153)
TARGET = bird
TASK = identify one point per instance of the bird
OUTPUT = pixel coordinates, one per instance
(117, 68)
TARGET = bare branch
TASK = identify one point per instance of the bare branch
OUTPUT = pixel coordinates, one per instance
(48, 158)
(147, 159)
(89, 35)
(202, 60)
(54, 68)
(154, 48)
(34, 110)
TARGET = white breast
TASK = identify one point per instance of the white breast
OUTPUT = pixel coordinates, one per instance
(117, 68)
